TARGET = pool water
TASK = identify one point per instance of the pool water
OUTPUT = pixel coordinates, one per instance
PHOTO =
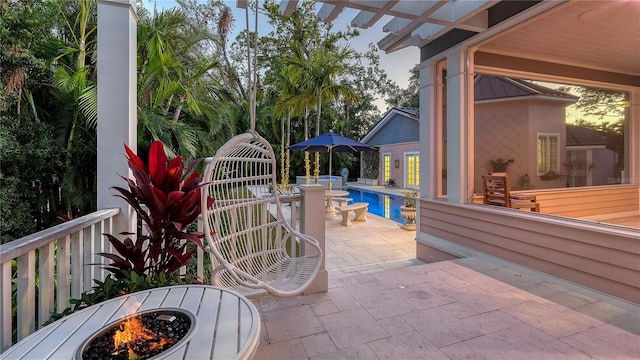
(380, 204)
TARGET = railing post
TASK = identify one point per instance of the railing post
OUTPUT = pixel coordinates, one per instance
(312, 224)
(5, 306)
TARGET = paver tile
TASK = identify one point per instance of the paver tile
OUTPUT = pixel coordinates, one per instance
(395, 325)
(512, 277)
(521, 342)
(442, 328)
(324, 307)
(571, 299)
(606, 342)
(356, 352)
(352, 327)
(291, 323)
(611, 314)
(547, 319)
(318, 344)
(286, 350)
(409, 345)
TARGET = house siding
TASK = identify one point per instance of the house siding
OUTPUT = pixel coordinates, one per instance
(400, 129)
(509, 130)
(397, 152)
(602, 258)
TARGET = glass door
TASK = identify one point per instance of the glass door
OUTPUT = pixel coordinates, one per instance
(412, 169)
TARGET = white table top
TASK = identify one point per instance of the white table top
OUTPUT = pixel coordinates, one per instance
(227, 325)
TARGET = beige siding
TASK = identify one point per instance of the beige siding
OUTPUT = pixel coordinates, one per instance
(589, 201)
(600, 257)
(509, 129)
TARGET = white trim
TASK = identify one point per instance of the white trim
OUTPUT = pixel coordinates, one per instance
(533, 76)
(398, 143)
(557, 164)
(526, 98)
(405, 155)
(585, 147)
(382, 157)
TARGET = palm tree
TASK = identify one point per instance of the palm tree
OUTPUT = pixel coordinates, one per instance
(324, 66)
(179, 104)
(299, 97)
(286, 89)
(74, 87)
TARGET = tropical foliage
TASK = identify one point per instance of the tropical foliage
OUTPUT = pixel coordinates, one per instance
(166, 197)
(192, 90)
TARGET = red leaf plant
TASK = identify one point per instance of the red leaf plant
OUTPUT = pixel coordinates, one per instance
(166, 197)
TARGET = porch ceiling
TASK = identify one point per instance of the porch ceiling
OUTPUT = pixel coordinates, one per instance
(599, 35)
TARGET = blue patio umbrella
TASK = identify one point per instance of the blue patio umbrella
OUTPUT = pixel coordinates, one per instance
(331, 142)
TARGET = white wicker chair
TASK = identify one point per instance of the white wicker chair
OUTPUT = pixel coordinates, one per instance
(251, 250)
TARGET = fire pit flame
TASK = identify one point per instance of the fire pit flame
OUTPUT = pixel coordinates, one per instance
(133, 331)
(143, 335)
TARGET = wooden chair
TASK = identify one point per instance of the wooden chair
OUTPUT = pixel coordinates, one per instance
(496, 191)
(251, 250)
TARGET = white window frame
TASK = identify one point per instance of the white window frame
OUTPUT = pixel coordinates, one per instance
(406, 170)
(548, 167)
(386, 171)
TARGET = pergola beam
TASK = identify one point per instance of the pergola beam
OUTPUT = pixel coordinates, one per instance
(287, 7)
(329, 12)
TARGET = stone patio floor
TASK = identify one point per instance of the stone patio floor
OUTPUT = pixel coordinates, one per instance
(383, 303)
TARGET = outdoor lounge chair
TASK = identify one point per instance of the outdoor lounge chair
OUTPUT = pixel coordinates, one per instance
(496, 191)
(251, 250)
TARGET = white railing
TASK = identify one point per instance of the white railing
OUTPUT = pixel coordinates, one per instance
(47, 269)
(43, 271)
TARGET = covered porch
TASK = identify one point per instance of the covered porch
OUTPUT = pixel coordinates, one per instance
(565, 239)
(579, 43)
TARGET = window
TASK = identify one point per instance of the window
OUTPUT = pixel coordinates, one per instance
(413, 170)
(386, 167)
(548, 153)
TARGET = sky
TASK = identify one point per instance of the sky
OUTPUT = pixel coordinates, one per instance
(396, 64)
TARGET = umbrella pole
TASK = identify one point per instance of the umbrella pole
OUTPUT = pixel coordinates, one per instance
(330, 152)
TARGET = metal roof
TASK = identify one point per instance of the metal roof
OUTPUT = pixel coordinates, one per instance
(584, 136)
(488, 87)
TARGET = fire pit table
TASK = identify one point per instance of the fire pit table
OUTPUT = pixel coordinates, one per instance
(224, 325)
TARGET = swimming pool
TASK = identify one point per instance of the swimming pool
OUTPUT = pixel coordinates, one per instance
(383, 205)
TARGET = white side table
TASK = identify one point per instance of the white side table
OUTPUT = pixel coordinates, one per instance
(227, 325)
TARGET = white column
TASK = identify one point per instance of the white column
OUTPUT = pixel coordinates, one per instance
(459, 128)
(117, 22)
(428, 132)
(632, 139)
(312, 223)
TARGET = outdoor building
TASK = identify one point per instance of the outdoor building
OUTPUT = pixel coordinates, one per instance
(582, 43)
(511, 116)
(396, 135)
(589, 161)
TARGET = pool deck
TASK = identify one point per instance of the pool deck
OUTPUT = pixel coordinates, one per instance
(393, 191)
(383, 303)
